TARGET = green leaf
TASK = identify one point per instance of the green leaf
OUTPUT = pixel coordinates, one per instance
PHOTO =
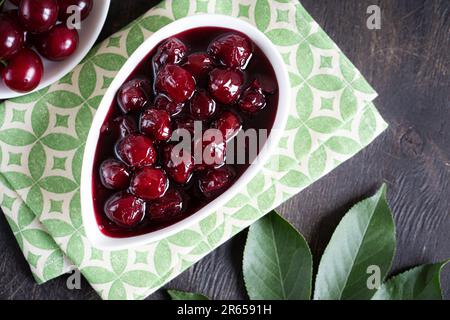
(109, 61)
(58, 184)
(154, 23)
(420, 283)
(182, 295)
(87, 80)
(134, 38)
(64, 99)
(17, 137)
(60, 141)
(277, 261)
(365, 237)
(262, 18)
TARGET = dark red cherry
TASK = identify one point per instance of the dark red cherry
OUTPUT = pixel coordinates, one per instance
(164, 103)
(84, 7)
(149, 183)
(120, 127)
(229, 124)
(16, 2)
(210, 151)
(38, 16)
(178, 163)
(225, 85)
(171, 51)
(11, 36)
(202, 106)
(185, 123)
(198, 64)
(114, 175)
(136, 150)
(177, 83)
(125, 209)
(170, 206)
(24, 71)
(57, 44)
(134, 95)
(156, 124)
(213, 181)
(232, 50)
(252, 99)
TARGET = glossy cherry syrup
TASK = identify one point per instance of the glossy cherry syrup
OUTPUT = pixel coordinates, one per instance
(214, 75)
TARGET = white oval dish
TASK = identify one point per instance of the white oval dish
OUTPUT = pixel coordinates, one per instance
(54, 71)
(96, 237)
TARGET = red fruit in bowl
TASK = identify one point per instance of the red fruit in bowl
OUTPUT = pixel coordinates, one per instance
(202, 106)
(213, 181)
(136, 151)
(198, 64)
(65, 10)
(229, 124)
(11, 36)
(134, 95)
(57, 44)
(24, 71)
(164, 103)
(186, 124)
(38, 16)
(171, 51)
(225, 85)
(210, 150)
(170, 206)
(177, 83)
(232, 50)
(114, 175)
(253, 99)
(156, 124)
(178, 163)
(120, 127)
(125, 209)
(149, 183)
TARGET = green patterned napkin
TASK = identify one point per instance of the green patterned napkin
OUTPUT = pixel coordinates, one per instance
(42, 138)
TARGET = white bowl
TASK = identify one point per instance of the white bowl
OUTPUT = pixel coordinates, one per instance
(54, 71)
(100, 240)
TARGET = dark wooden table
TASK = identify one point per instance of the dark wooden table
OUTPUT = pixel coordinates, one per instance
(408, 63)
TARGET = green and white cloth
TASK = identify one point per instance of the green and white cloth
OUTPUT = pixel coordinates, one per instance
(42, 138)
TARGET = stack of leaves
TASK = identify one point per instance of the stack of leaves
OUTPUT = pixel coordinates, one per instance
(278, 264)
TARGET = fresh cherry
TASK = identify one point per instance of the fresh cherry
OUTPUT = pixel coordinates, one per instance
(202, 106)
(168, 207)
(134, 95)
(252, 99)
(186, 124)
(57, 44)
(162, 102)
(149, 183)
(114, 175)
(125, 209)
(171, 51)
(198, 64)
(229, 124)
(85, 7)
(11, 36)
(24, 71)
(156, 124)
(38, 16)
(210, 150)
(233, 51)
(136, 150)
(176, 82)
(178, 163)
(225, 85)
(120, 127)
(213, 181)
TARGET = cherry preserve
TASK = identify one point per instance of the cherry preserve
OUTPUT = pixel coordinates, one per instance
(142, 180)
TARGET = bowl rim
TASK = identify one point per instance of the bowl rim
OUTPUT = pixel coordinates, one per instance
(66, 66)
(93, 232)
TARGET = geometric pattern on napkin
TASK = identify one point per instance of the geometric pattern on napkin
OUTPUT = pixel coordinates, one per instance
(42, 138)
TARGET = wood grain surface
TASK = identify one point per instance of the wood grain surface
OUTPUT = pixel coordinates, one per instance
(408, 63)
